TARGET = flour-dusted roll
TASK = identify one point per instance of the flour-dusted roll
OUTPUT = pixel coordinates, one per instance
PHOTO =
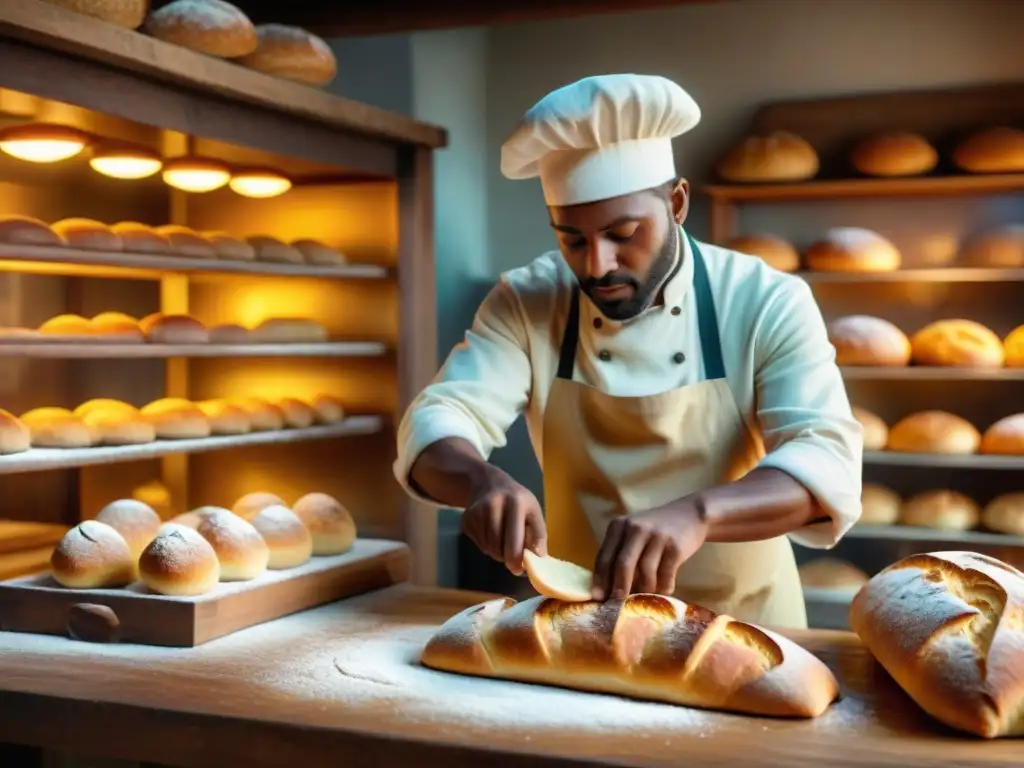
(957, 343)
(1013, 348)
(25, 230)
(1005, 437)
(180, 563)
(271, 249)
(15, 436)
(240, 549)
(289, 330)
(141, 238)
(230, 248)
(92, 555)
(867, 340)
(288, 539)
(174, 329)
(645, 647)
(137, 523)
(88, 234)
(852, 249)
(123, 13)
(264, 416)
(934, 432)
(225, 418)
(330, 525)
(776, 156)
(57, 428)
(67, 325)
(832, 573)
(249, 505)
(1001, 247)
(947, 627)
(1005, 514)
(773, 250)
(177, 419)
(328, 409)
(944, 510)
(297, 414)
(194, 517)
(880, 505)
(876, 431)
(991, 150)
(292, 53)
(894, 153)
(187, 242)
(318, 254)
(213, 27)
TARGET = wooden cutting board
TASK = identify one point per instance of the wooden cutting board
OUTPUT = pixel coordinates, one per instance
(38, 604)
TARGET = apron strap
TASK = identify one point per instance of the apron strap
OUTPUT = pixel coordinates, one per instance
(570, 340)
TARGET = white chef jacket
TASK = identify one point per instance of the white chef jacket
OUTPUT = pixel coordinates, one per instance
(779, 364)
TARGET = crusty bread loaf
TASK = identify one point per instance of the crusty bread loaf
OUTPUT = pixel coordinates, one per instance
(124, 13)
(174, 329)
(773, 250)
(297, 414)
(1013, 348)
(880, 505)
(264, 416)
(57, 428)
(249, 505)
(832, 573)
(24, 230)
(117, 326)
(941, 509)
(991, 150)
(852, 249)
(328, 409)
(866, 340)
(777, 156)
(271, 249)
(179, 562)
(318, 254)
(1005, 514)
(213, 27)
(645, 647)
(137, 523)
(187, 242)
(177, 419)
(949, 628)
(67, 325)
(241, 551)
(15, 436)
(934, 432)
(330, 525)
(225, 418)
(141, 238)
(876, 431)
(957, 343)
(1001, 247)
(88, 234)
(894, 153)
(558, 579)
(292, 53)
(289, 330)
(1005, 437)
(92, 555)
(289, 541)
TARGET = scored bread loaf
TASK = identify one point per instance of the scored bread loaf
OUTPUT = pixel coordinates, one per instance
(645, 647)
(776, 156)
(949, 628)
(957, 343)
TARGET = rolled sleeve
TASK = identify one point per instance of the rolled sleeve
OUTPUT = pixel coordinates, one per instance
(479, 392)
(804, 413)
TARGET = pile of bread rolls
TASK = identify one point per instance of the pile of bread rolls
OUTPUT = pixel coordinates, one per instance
(942, 509)
(106, 422)
(189, 555)
(941, 432)
(131, 237)
(781, 156)
(957, 343)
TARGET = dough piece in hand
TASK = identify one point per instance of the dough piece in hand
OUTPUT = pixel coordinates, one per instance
(248, 506)
(15, 436)
(58, 428)
(139, 238)
(288, 539)
(230, 248)
(329, 523)
(88, 234)
(137, 523)
(241, 550)
(92, 555)
(177, 419)
(558, 579)
(179, 562)
(328, 409)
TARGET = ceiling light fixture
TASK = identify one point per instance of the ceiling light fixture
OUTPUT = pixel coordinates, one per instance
(42, 142)
(125, 161)
(259, 182)
(196, 174)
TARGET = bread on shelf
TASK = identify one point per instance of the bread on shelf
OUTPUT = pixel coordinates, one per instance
(240, 549)
(894, 153)
(179, 562)
(867, 340)
(194, 517)
(249, 505)
(934, 431)
(773, 250)
(15, 435)
(880, 505)
(25, 230)
(264, 416)
(773, 157)
(289, 330)
(292, 53)
(832, 573)
(1013, 348)
(230, 248)
(957, 343)
(88, 234)
(1005, 514)
(213, 27)
(174, 329)
(67, 325)
(225, 418)
(852, 249)
(318, 254)
(141, 238)
(92, 555)
(273, 250)
(999, 248)
(123, 13)
(187, 242)
(289, 541)
(1004, 437)
(58, 428)
(177, 419)
(328, 409)
(114, 425)
(876, 431)
(116, 326)
(297, 414)
(229, 333)
(137, 523)
(943, 509)
(999, 149)
(330, 525)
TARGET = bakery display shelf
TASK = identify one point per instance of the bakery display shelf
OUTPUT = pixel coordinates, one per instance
(18, 535)
(59, 259)
(943, 460)
(930, 373)
(42, 459)
(933, 535)
(836, 189)
(937, 275)
(90, 350)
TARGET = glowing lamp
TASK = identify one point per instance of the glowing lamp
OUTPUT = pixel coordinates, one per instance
(125, 161)
(196, 174)
(259, 182)
(42, 142)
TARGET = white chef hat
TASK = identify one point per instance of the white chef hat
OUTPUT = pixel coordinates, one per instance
(600, 137)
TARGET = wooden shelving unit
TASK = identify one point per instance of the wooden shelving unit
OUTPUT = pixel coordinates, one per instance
(930, 373)
(362, 183)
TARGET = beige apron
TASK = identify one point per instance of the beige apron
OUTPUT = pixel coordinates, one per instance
(606, 455)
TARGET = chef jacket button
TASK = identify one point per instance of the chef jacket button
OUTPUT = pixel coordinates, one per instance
(597, 322)
(678, 357)
(605, 355)
(676, 311)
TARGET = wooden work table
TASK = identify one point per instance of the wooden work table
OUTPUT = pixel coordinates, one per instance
(340, 685)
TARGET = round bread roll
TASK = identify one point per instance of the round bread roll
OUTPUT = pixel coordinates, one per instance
(329, 523)
(114, 426)
(1002, 247)
(880, 505)
(876, 431)
(57, 428)
(292, 53)
(212, 27)
(894, 153)
(225, 418)
(67, 325)
(140, 238)
(328, 409)
(832, 573)
(229, 333)
(15, 436)
(88, 234)
(117, 326)
(179, 562)
(271, 249)
(24, 230)
(248, 506)
(774, 251)
(934, 432)
(123, 13)
(174, 329)
(188, 519)
(187, 242)
(1005, 514)
(1005, 437)
(92, 555)
(289, 541)
(263, 416)
(230, 248)
(289, 330)
(137, 523)
(957, 343)
(105, 404)
(866, 340)
(241, 550)
(318, 254)
(297, 414)
(852, 249)
(945, 510)
(777, 156)
(154, 494)
(177, 419)
(992, 150)
(1013, 348)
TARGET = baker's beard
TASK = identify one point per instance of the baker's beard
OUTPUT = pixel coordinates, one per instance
(645, 292)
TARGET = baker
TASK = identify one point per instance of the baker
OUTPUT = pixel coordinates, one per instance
(683, 399)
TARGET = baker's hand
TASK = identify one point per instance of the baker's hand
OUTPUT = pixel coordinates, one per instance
(503, 518)
(644, 551)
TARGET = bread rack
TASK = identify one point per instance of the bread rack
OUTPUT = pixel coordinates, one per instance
(362, 182)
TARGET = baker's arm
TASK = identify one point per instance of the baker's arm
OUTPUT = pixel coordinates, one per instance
(451, 428)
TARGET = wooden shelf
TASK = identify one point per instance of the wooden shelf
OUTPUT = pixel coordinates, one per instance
(41, 459)
(62, 260)
(941, 275)
(943, 461)
(93, 351)
(933, 536)
(922, 186)
(930, 373)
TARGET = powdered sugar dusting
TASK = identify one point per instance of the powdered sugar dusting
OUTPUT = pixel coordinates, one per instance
(177, 549)
(201, 14)
(89, 537)
(276, 520)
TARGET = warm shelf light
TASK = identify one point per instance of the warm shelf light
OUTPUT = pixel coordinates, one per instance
(125, 161)
(259, 182)
(196, 174)
(42, 142)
